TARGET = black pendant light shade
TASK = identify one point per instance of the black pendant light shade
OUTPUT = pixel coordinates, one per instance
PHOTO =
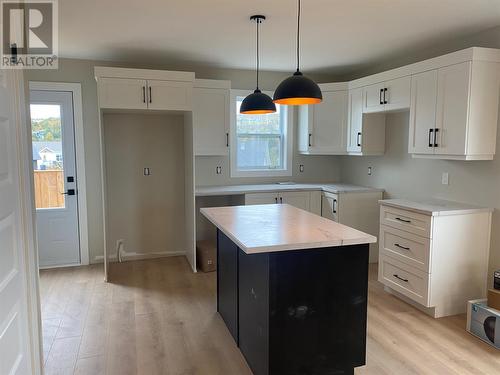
(297, 89)
(257, 103)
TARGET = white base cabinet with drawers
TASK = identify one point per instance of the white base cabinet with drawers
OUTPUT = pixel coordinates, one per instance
(436, 260)
(359, 210)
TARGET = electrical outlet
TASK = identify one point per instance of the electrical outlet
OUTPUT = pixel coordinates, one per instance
(445, 178)
(301, 168)
(218, 170)
(369, 171)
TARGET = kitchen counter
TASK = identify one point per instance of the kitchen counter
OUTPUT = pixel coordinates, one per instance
(334, 188)
(266, 228)
(292, 288)
(435, 207)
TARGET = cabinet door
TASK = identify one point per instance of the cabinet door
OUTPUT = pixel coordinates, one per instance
(261, 198)
(355, 122)
(170, 95)
(397, 94)
(423, 112)
(373, 98)
(121, 93)
(452, 109)
(299, 199)
(329, 206)
(210, 121)
(329, 124)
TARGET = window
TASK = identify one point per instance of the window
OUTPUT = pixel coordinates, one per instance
(261, 144)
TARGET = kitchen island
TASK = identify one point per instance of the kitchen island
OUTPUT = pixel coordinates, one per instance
(292, 288)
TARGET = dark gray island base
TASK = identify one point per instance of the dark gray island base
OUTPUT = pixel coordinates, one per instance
(297, 312)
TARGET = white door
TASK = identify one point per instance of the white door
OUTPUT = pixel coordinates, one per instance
(355, 120)
(373, 98)
(299, 199)
(54, 171)
(452, 109)
(122, 93)
(261, 198)
(423, 112)
(397, 94)
(15, 353)
(329, 123)
(170, 95)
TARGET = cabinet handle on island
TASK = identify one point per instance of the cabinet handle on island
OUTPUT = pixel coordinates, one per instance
(401, 247)
(400, 278)
(403, 220)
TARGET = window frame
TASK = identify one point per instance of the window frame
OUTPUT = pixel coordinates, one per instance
(287, 143)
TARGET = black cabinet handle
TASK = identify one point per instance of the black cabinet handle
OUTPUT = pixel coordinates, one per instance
(403, 220)
(400, 278)
(430, 136)
(380, 97)
(358, 140)
(150, 95)
(334, 208)
(401, 247)
(435, 137)
(227, 139)
(276, 199)
(385, 91)
(144, 94)
(281, 199)
(309, 141)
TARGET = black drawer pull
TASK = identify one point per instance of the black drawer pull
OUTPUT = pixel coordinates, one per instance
(401, 247)
(430, 136)
(403, 220)
(358, 141)
(400, 278)
(380, 97)
(435, 137)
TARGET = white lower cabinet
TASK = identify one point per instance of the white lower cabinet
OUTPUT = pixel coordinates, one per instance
(359, 210)
(435, 260)
(305, 200)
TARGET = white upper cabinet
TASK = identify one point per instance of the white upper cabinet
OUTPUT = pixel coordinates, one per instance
(322, 128)
(366, 131)
(390, 95)
(143, 89)
(211, 117)
(122, 93)
(454, 111)
(170, 95)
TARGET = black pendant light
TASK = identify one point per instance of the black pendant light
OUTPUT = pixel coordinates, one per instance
(298, 89)
(257, 103)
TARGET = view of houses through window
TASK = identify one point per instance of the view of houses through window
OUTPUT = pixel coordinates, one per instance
(46, 137)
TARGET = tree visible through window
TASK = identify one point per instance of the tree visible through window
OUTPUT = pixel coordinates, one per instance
(260, 140)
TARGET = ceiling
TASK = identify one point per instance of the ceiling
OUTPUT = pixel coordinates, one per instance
(336, 34)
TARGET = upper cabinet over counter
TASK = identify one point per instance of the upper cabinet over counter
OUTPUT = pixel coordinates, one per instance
(144, 89)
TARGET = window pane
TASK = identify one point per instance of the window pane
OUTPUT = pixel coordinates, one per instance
(259, 152)
(257, 124)
(46, 136)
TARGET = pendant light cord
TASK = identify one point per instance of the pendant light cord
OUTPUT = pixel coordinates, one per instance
(298, 33)
(258, 21)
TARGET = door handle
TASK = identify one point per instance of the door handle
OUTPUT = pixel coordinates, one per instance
(334, 208)
(385, 91)
(401, 247)
(150, 95)
(69, 192)
(400, 278)
(430, 136)
(380, 97)
(309, 141)
(403, 220)
(358, 139)
(435, 137)
(144, 94)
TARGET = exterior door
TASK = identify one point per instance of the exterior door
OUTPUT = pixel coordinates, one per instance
(15, 353)
(54, 171)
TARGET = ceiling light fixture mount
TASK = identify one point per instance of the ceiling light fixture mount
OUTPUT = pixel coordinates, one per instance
(298, 89)
(257, 103)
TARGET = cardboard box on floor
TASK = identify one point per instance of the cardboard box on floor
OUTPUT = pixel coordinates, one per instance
(206, 256)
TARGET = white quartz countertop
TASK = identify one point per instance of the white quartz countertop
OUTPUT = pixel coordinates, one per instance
(280, 227)
(435, 207)
(260, 188)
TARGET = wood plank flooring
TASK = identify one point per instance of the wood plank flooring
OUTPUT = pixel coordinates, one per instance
(157, 317)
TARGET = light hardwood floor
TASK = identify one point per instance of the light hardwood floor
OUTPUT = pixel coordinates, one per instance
(157, 317)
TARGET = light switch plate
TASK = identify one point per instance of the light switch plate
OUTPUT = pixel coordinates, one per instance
(369, 171)
(301, 168)
(218, 170)
(445, 178)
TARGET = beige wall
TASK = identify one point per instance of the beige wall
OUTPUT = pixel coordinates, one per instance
(82, 71)
(147, 212)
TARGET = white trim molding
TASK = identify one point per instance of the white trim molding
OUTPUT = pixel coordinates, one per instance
(288, 144)
(76, 91)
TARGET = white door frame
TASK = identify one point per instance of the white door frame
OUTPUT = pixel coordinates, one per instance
(76, 90)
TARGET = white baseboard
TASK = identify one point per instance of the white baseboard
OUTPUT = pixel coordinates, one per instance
(129, 256)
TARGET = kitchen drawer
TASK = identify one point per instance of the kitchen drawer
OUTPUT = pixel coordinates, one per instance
(406, 220)
(405, 247)
(405, 279)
